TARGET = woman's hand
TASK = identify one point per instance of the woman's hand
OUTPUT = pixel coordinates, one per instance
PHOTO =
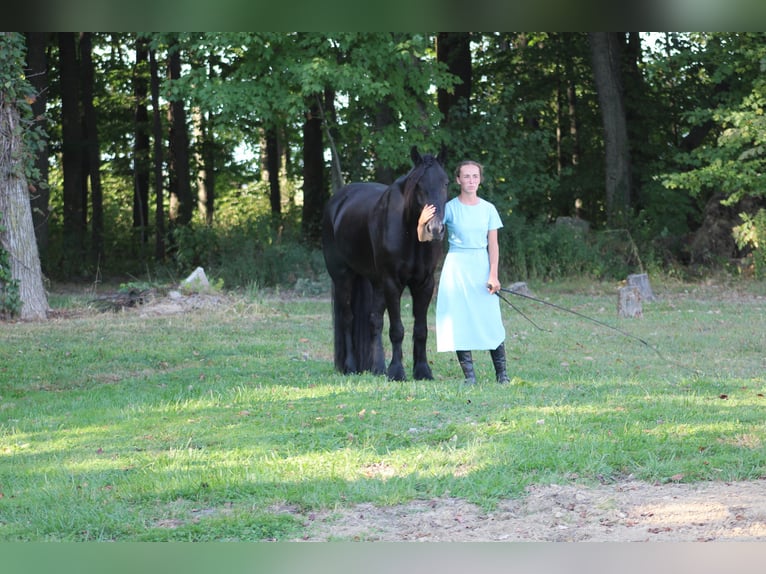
(425, 216)
(493, 285)
(428, 212)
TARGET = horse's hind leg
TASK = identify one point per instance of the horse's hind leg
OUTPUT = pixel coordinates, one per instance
(345, 360)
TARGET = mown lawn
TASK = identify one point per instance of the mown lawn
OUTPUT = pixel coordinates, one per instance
(229, 422)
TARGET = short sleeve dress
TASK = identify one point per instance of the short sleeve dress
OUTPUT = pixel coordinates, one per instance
(468, 317)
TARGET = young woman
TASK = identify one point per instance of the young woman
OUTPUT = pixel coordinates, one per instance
(467, 310)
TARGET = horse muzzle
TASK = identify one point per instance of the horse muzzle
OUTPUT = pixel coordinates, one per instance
(434, 230)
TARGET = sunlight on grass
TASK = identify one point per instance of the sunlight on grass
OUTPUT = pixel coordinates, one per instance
(194, 427)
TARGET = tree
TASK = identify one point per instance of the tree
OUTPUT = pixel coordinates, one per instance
(75, 213)
(159, 213)
(314, 181)
(141, 161)
(453, 49)
(37, 74)
(92, 154)
(606, 49)
(181, 204)
(17, 236)
(725, 165)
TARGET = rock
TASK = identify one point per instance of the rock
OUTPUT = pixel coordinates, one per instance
(197, 281)
(520, 287)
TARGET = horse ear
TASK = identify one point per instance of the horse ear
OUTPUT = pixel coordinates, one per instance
(415, 155)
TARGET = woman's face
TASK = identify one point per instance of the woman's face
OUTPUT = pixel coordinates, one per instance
(469, 178)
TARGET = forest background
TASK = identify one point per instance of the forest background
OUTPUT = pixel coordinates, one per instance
(148, 154)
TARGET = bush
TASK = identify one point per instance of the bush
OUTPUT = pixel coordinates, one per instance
(545, 251)
(751, 234)
(250, 253)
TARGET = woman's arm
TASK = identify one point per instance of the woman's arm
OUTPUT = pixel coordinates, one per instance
(493, 282)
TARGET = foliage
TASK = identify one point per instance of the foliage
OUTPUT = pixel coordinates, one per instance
(10, 300)
(16, 91)
(732, 161)
(751, 234)
(251, 253)
(231, 424)
(533, 122)
(543, 251)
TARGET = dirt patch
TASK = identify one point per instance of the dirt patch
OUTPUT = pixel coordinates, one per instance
(627, 512)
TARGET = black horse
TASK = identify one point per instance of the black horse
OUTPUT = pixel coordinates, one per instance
(372, 252)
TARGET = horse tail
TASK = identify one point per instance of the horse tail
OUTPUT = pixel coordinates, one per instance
(339, 342)
(362, 306)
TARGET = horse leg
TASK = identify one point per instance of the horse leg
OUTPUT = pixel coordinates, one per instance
(376, 333)
(345, 359)
(421, 299)
(395, 333)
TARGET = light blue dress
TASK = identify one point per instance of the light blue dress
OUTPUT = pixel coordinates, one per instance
(467, 316)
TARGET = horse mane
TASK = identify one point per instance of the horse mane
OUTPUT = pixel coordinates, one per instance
(411, 182)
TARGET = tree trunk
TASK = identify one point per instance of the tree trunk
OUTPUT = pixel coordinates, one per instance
(159, 212)
(384, 117)
(639, 108)
(314, 190)
(454, 50)
(605, 51)
(629, 302)
(93, 155)
(18, 235)
(141, 164)
(72, 147)
(205, 156)
(330, 119)
(37, 74)
(181, 205)
(272, 172)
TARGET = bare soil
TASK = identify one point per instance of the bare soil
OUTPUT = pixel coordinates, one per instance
(628, 512)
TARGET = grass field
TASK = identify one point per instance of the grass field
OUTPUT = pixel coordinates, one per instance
(210, 424)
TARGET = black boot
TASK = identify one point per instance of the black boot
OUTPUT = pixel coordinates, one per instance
(498, 359)
(466, 363)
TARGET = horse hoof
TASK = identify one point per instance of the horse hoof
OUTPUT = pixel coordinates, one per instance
(423, 373)
(396, 375)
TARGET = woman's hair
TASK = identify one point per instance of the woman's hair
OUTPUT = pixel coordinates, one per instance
(470, 162)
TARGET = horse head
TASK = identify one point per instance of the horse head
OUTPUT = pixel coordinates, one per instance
(427, 184)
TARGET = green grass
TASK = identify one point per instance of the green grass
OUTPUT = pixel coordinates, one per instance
(231, 424)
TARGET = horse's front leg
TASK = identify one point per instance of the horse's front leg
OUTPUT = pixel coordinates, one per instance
(395, 332)
(376, 333)
(421, 299)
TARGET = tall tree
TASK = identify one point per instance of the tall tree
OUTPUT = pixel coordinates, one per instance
(606, 49)
(141, 160)
(454, 50)
(37, 74)
(17, 235)
(75, 212)
(181, 204)
(92, 150)
(157, 157)
(314, 181)
(205, 160)
(271, 170)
